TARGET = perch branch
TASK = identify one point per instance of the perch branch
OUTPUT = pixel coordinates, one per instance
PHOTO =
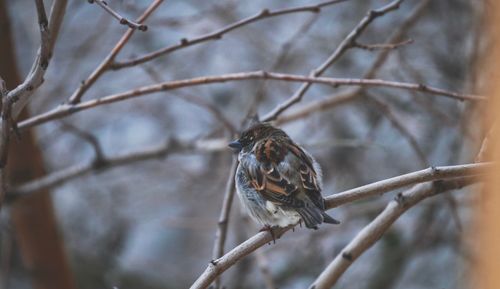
(374, 231)
(218, 266)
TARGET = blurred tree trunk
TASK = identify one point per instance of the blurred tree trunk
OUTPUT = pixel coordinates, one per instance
(33, 216)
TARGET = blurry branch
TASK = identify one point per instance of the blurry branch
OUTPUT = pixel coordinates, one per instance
(347, 43)
(217, 267)
(105, 64)
(342, 98)
(123, 20)
(68, 109)
(4, 141)
(263, 265)
(282, 55)
(412, 141)
(79, 170)
(372, 47)
(218, 34)
(198, 101)
(90, 138)
(374, 231)
(222, 224)
(486, 146)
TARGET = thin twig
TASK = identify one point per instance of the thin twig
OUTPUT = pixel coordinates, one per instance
(90, 138)
(198, 101)
(222, 224)
(218, 34)
(79, 170)
(124, 21)
(374, 231)
(282, 55)
(105, 64)
(345, 45)
(217, 267)
(412, 141)
(389, 46)
(68, 109)
(345, 97)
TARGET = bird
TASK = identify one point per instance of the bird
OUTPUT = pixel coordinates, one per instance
(278, 182)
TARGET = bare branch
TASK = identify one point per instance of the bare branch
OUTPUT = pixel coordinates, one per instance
(218, 34)
(212, 109)
(67, 109)
(345, 97)
(374, 231)
(91, 139)
(124, 21)
(105, 64)
(221, 233)
(412, 141)
(346, 44)
(390, 46)
(426, 175)
(19, 96)
(217, 267)
(60, 177)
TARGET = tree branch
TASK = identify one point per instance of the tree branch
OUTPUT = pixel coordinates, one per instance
(345, 97)
(347, 43)
(374, 231)
(105, 64)
(124, 21)
(20, 96)
(218, 34)
(62, 176)
(221, 233)
(217, 267)
(389, 46)
(426, 175)
(67, 109)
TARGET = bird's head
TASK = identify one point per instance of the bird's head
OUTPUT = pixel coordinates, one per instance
(253, 134)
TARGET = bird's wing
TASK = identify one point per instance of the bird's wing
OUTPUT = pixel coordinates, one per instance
(308, 176)
(276, 187)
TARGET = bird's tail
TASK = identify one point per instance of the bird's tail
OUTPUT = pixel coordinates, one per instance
(312, 217)
(328, 219)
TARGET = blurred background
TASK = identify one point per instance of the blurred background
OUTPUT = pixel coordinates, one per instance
(151, 224)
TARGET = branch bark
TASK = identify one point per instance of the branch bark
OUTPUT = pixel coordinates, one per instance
(107, 62)
(218, 34)
(347, 43)
(68, 109)
(217, 267)
(374, 231)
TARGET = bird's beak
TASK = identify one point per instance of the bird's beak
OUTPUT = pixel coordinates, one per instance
(235, 145)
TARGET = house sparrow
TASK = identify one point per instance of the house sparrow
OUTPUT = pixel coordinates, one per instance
(278, 182)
